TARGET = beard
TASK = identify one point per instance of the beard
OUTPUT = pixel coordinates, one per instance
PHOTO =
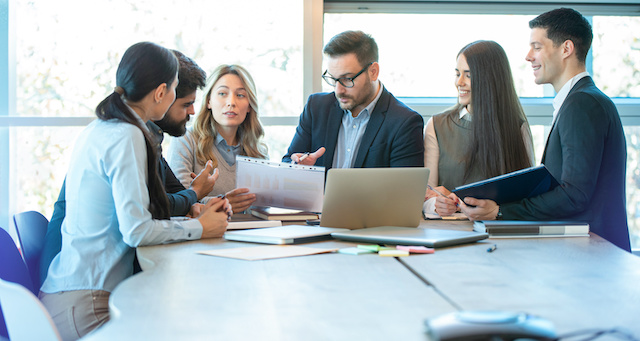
(357, 100)
(173, 127)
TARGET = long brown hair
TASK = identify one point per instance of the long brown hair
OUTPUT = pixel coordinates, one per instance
(497, 146)
(250, 132)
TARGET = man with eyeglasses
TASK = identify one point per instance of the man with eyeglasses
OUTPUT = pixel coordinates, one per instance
(361, 124)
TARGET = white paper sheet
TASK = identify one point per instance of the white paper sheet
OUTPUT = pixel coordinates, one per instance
(281, 184)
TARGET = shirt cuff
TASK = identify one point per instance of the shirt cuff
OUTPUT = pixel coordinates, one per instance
(192, 229)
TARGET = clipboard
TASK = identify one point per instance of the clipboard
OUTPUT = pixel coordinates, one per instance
(279, 184)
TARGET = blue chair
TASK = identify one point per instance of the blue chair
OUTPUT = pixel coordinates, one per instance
(31, 227)
(12, 269)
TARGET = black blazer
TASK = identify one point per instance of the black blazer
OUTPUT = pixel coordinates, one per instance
(393, 137)
(586, 152)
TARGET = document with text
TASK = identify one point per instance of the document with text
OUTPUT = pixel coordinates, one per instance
(281, 184)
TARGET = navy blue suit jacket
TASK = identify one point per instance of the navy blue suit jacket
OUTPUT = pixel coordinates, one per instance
(586, 152)
(393, 137)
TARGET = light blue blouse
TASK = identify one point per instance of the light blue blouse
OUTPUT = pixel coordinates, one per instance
(107, 211)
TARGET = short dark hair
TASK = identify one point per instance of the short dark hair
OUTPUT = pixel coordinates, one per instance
(564, 24)
(358, 42)
(190, 76)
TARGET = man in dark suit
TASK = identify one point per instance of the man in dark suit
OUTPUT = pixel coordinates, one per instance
(360, 124)
(586, 148)
(182, 201)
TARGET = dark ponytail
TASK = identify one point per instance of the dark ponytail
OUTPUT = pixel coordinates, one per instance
(144, 67)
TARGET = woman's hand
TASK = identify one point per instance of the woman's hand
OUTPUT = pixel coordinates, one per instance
(214, 217)
(239, 200)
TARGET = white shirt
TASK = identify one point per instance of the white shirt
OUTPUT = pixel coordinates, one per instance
(562, 94)
(432, 154)
(107, 211)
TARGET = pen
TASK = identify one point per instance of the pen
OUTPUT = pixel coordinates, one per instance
(304, 156)
(492, 248)
(438, 192)
(222, 196)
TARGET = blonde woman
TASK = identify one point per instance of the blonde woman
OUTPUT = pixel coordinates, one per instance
(226, 126)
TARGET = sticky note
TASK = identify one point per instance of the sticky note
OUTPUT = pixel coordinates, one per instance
(372, 248)
(354, 251)
(415, 249)
(393, 253)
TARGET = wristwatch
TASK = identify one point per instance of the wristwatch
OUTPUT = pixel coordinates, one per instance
(499, 215)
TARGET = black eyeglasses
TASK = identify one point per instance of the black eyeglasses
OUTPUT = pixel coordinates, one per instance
(347, 82)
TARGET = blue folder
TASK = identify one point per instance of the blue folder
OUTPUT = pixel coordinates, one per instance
(514, 186)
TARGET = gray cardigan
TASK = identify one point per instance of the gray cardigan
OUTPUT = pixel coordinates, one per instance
(182, 160)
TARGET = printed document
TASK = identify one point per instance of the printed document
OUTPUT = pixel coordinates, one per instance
(279, 184)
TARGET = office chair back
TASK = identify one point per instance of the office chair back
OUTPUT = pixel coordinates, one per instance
(12, 269)
(27, 319)
(31, 227)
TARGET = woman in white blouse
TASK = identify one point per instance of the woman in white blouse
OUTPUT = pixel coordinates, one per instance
(485, 134)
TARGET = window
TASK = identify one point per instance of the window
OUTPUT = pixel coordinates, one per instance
(66, 64)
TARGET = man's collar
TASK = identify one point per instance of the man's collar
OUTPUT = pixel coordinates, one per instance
(564, 91)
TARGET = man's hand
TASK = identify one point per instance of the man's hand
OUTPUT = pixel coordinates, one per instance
(484, 209)
(307, 159)
(196, 210)
(239, 200)
(203, 183)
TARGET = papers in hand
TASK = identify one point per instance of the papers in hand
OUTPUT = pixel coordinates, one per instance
(281, 184)
(529, 229)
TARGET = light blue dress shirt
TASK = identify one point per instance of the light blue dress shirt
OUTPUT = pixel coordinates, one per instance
(107, 211)
(228, 152)
(350, 134)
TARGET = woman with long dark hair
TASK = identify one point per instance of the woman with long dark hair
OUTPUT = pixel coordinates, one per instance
(115, 199)
(485, 134)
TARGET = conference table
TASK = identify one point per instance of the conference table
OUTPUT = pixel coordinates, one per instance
(577, 283)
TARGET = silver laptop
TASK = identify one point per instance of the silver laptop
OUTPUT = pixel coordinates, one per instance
(410, 236)
(356, 198)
